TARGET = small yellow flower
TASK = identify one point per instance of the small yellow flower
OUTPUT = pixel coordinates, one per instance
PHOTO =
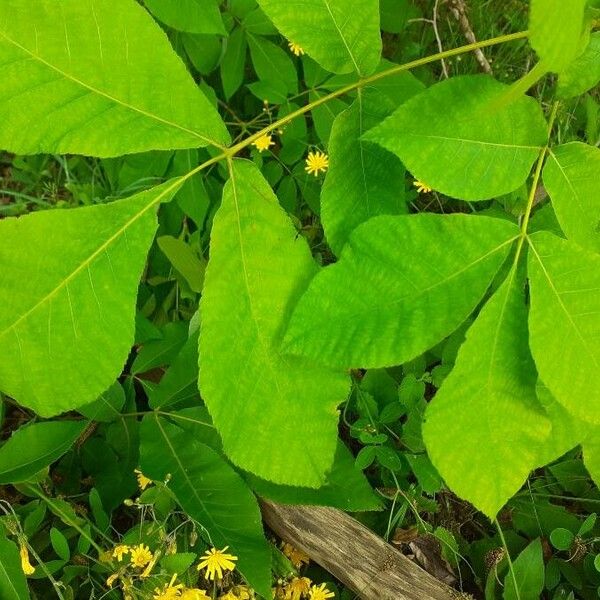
(296, 48)
(297, 557)
(169, 590)
(316, 162)
(140, 556)
(228, 596)
(119, 551)
(194, 594)
(298, 587)
(216, 561)
(143, 481)
(27, 567)
(264, 142)
(320, 593)
(422, 188)
(112, 579)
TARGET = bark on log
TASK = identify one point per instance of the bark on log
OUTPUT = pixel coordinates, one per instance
(361, 560)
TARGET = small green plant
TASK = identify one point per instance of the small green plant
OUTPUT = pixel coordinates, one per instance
(220, 297)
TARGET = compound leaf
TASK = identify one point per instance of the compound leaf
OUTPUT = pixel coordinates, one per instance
(96, 77)
(571, 178)
(68, 295)
(461, 138)
(210, 491)
(490, 399)
(342, 36)
(258, 269)
(402, 284)
(564, 322)
(555, 31)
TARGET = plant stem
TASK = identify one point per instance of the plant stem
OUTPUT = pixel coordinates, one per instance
(534, 184)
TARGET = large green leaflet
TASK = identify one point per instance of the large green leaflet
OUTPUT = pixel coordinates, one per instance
(68, 295)
(462, 138)
(555, 31)
(13, 584)
(564, 322)
(363, 180)
(36, 446)
(341, 36)
(402, 284)
(572, 178)
(95, 77)
(485, 425)
(285, 406)
(194, 16)
(211, 492)
(583, 73)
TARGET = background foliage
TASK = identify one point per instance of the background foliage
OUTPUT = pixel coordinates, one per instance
(408, 332)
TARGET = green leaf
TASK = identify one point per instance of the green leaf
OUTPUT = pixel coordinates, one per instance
(60, 544)
(68, 295)
(564, 322)
(34, 447)
(591, 455)
(96, 77)
(363, 179)
(555, 31)
(107, 407)
(460, 138)
(402, 285)
(571, 178)
(341, 36)
(211, 492)
(193, 16)
(583, 73)
(567, 431)
(528, 571)
(13, 584)
(490, 399)
(272, 63)
(234, 62)
(345, 488)
(180, 382)
(561, 538)
(258, 269)
(184, 260)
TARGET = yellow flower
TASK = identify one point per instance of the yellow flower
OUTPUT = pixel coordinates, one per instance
(112, 579)
(298, 587)
(296, 48)
(143, 481)
(320, 593)
(264, 142)
(228, 596)
(422, 188)
(140, 556)
(297, 557)
(119, 550)
(216, 561)
(316, 162)
(194, 594)
(169, 590)
(27, 567)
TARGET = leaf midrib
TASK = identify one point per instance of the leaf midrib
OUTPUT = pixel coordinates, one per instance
(106, 95)
(85, 263)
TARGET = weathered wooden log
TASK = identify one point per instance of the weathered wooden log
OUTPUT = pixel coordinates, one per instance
(356, 556)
